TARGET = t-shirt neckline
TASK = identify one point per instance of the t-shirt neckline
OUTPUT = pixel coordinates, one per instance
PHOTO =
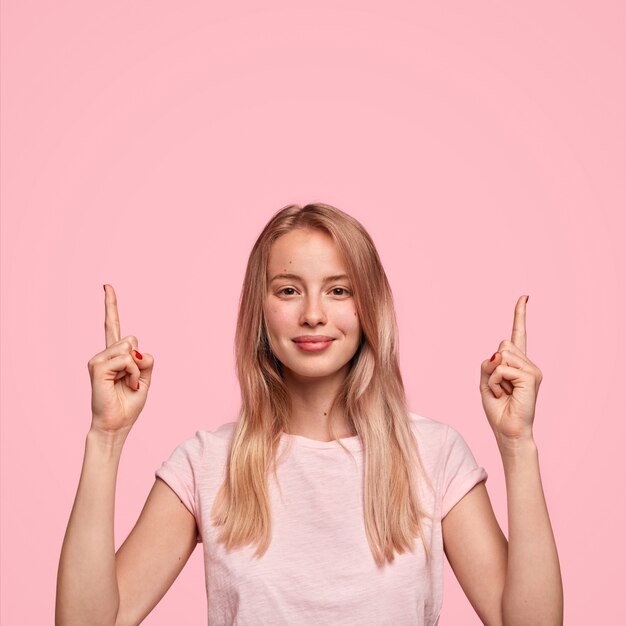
(352, 443)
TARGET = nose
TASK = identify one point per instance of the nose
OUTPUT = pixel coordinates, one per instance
(313, 312)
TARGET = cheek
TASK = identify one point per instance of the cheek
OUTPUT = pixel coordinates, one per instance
(348, 321)
(277, 318)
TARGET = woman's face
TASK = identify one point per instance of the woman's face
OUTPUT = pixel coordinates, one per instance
(310, 297)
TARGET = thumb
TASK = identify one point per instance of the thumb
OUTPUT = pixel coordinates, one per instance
(145, 363)
(486, 369)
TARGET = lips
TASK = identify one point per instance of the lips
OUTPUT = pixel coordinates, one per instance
(313, 343)
(313, 339)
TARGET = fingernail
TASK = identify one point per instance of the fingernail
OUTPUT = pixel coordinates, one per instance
(527, 298)
(493, 357)
(137, 386)
(139, 356)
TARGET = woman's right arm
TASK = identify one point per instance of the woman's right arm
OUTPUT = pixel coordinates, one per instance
(94, 584)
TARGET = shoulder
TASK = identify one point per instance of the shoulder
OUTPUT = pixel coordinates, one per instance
(206, 444)
(436, 440)
(447, 459)
(222, 434)
(430, 433)
(423, 422)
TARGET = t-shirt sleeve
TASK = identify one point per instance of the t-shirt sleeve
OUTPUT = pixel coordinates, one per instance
(460, 470)
(181, 471)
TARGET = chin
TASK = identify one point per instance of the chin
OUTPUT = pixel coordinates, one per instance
(310, 373)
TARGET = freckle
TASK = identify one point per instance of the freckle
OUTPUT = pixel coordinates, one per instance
(324, 412)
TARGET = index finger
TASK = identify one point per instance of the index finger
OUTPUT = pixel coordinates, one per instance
(518, 336)
(111, 317)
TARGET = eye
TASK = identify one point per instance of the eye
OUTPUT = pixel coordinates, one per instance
(282, 291)
(342, 289)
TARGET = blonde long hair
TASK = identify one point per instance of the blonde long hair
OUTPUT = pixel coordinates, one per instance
(372, 399)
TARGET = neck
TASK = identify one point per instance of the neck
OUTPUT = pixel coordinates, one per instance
(311, 401)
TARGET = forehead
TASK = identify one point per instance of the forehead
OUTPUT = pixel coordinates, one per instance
(304, 251)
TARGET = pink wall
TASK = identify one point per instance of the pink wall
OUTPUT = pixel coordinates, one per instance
(145, 144)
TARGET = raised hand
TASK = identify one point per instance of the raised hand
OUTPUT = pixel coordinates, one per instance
(509, 383)
(120, 376)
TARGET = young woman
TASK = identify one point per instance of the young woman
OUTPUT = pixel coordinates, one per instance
(327, 501)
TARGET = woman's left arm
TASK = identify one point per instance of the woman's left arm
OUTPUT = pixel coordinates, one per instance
(526, 575)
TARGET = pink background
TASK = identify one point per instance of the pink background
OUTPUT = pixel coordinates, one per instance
(145, 144)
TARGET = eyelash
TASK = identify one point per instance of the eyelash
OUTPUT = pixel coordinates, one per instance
(346, 291)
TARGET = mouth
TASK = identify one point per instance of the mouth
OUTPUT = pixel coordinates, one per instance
(313, 339)
(313, 343)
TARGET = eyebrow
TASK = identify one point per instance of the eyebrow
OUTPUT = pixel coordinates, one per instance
(296, 277)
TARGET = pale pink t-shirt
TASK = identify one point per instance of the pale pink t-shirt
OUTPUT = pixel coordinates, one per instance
(319, 568)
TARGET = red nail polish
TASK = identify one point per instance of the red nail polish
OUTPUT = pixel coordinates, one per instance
(527, 298)
(137, 386)
(493, 357)
(139, 356)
